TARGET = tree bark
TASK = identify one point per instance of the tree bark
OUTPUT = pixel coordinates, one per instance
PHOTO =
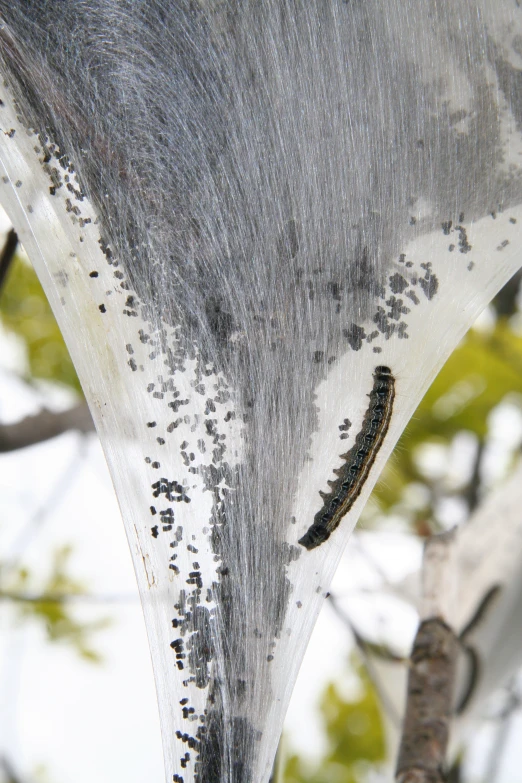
(429, 706)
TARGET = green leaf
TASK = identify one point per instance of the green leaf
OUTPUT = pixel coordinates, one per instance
(51, 606)
(25, 311)
(355, 734)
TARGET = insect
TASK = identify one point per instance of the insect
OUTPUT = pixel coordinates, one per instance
(359, 460)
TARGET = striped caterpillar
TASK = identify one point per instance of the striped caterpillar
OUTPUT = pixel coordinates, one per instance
(359, 460)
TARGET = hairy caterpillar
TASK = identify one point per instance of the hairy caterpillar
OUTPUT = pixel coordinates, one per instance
(359, 460)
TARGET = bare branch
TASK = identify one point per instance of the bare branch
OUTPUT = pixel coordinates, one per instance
(505, 302)
(433, 662)
(368, 651)
(62, 598)
(7, 254)
(44, 425)
(471, 493)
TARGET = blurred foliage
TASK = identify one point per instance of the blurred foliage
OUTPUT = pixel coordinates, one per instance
(40, 774)
(355, 733)
(49, 605)
(483, 371)
(25, 311)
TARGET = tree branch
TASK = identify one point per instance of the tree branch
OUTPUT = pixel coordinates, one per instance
(433, 661)
(7, 254)
(44, 425)
(63, 598)
(471, 493)
(505, 302)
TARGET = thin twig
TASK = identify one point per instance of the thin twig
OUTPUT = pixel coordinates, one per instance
(366, 650)
(61, 598)
(505, 302)
(471, 493)
(7, 255)
(50, 504)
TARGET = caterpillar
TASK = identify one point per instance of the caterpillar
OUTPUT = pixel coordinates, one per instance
(359, 460)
